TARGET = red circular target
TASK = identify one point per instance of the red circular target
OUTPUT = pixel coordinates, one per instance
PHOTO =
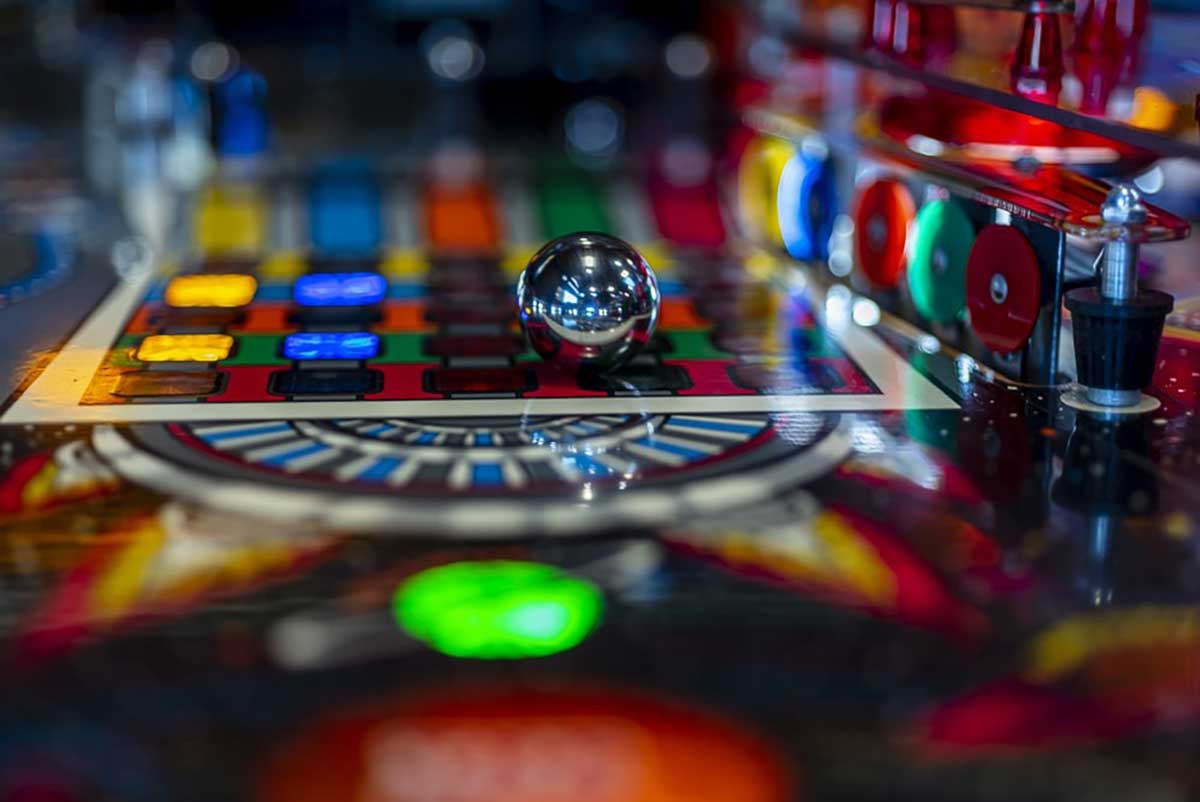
(881, 218)
(1004, 288)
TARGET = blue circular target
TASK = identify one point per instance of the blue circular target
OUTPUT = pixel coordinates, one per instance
(807, 206)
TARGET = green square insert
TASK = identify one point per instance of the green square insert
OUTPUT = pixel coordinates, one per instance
(256, 349)
(121, 355)
(398, 349)
(820, 344)
(693, 344)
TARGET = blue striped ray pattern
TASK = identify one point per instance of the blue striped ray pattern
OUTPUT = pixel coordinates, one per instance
(499, 456)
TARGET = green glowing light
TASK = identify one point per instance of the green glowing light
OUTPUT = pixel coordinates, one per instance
(501, 610)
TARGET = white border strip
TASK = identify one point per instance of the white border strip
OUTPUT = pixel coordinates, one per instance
(54, 396)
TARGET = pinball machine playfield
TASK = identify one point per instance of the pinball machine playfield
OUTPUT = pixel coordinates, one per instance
(897, 501)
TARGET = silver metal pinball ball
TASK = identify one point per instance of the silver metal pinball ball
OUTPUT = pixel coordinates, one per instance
(588, 301)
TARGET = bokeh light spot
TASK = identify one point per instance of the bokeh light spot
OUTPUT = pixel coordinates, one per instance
(497, 610)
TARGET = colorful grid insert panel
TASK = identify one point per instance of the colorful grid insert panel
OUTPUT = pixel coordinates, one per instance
(348, 319)
(449, 332)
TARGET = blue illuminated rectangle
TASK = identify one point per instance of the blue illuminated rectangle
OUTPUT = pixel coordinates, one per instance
(345, 216)
(331, 345)
(339, 289)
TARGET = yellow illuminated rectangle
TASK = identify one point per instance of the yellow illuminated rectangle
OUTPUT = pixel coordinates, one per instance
(184, 348)
(231, 219)
(211, 289)
(403, 264)
(283, 265)
(657, 254)
(516, 259)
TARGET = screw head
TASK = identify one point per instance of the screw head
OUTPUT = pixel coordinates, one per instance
(999, 289)
(1123, 205)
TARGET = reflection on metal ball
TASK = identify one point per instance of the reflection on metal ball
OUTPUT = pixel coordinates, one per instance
(588, 301)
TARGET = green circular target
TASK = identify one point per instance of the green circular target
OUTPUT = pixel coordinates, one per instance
(937, 268)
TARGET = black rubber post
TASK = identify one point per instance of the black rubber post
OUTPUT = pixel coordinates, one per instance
(1116, 343)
